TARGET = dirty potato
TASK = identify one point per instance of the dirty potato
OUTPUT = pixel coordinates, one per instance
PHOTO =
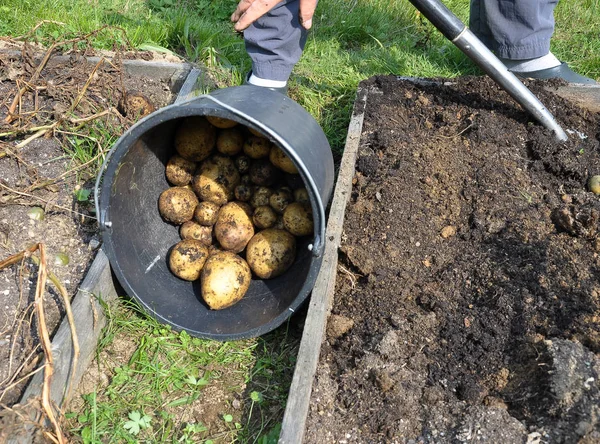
(261, 197)
(243, 192)
(256, 132)
(243, 163)
(257, 147)
(264, 217)
(177, 204)
(280, 199)
(298, 219)
(264, 173)
(301, 195)
(234, 226)
(224, 280)
(216, 179)
(206, 213)
(221, 122)
(282, 161)
(271, 252)
(187, 259)
(193, 230)
(195, 138)
(180, 171)
(230, 141)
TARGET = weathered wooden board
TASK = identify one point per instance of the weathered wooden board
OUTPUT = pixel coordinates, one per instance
(321, 300)
(294, 422)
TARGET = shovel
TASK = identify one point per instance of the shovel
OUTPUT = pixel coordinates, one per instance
(455, 30)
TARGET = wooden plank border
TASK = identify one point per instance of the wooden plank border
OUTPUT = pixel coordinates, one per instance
(296, 412)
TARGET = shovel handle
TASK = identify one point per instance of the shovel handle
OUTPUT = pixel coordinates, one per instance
(440, 17)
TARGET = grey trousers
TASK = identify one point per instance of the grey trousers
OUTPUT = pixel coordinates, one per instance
(275, 42)
(514, 29)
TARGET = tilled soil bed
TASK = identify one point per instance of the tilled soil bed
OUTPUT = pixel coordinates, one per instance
(467, 300)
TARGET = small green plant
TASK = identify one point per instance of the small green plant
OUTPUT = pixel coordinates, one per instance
(189, 432)
(82, 194)
(137, 422)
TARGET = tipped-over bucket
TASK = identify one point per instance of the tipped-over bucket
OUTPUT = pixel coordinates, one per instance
(137, 240)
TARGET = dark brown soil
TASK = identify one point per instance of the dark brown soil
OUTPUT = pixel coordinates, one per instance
(469, 268)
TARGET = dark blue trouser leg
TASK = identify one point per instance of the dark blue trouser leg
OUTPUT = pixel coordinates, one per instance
(514, 29)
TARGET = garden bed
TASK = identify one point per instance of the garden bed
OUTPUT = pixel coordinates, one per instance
(467, 288)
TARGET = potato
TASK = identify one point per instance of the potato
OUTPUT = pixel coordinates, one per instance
(264, 173)
(193, 230)
(243, 192)
(225, 279)
(234, 226)
(261, 197)
(187, 259)
(257, 147)
(230, 141)
(195, 139)
(206, 213)
(297, 219)
(271, 252)
(281, 199)
(216, 179)
(221, 122)
(301, 195)
(264, 217)
(279, 223)
(256, 133)
(180, 171)
(282, 161)
(177, 204)
(243, 164)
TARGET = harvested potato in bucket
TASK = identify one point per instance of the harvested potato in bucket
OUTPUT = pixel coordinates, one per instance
(177, 204)
(240, 207)
(195, 139)
(271, 252)
(224, 280)
(187, 258)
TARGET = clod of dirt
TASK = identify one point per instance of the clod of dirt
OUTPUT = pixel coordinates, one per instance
(576, 221)
(135, 104)
(337, 326)
(448, 231)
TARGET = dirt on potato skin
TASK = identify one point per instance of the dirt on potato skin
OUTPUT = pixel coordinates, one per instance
(470, 272)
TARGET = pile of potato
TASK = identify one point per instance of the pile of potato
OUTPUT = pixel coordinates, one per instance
(240, 204)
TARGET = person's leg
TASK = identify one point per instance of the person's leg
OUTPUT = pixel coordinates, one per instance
(275, 43)
(519, 32)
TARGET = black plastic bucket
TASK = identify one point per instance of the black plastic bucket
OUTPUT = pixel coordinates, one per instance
(137, 240)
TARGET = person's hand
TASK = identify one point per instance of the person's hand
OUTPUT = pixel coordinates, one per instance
(248, 11)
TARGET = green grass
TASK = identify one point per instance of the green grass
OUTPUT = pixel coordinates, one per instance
(157, 383)
(165, 375)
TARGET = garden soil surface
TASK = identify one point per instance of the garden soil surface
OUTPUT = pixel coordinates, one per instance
(45, 174)
(468, 287)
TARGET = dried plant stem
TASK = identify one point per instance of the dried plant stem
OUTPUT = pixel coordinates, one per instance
(45, 201)
(46, 344)
(76, 350)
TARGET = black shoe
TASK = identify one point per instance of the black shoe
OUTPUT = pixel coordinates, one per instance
(283, 90)
(561, 71)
